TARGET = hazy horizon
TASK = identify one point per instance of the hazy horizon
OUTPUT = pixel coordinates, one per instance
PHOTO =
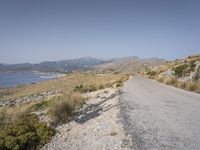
(49, 30)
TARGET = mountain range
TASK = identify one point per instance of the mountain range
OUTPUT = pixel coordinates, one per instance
(128, 64)
(125, 64)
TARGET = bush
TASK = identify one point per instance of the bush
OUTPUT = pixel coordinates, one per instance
(192, 86)
(61, 111)
(181, 85)
(84, 89)
(151, 73)
(101, 87)
(26, 132)
(179, 70)
(170, 81)
(160, 79)
(192, 66)
(40, 106)
(65, 106)
(92, 88)
(118, 84)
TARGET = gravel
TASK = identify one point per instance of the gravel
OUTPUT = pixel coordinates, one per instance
(98, 127)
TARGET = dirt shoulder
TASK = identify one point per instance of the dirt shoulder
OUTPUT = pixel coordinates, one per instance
(97, 127)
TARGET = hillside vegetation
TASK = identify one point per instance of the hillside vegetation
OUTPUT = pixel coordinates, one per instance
(183, 73)
(28, 119)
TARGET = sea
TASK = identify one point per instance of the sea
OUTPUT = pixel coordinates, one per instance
(11, 79)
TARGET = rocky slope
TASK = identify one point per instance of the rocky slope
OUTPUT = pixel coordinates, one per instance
(128, 64)
(185, 69)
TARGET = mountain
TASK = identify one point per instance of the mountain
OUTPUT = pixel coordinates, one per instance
(125, 65)
(54, 66)
(128, 64)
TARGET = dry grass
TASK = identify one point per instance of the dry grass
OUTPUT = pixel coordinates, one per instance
(170, 81)
(160, 79)
(64, 106)
(193, 86)
(63, 84)
(181, 85)
(66, 95)
(60, 107)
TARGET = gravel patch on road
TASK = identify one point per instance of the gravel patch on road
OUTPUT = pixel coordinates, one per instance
(98, 126)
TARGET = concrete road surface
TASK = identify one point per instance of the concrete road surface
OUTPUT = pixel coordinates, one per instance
(160, 117)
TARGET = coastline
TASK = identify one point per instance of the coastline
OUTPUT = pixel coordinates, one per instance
(11, 79)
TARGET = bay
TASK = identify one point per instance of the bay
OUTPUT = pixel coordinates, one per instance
(10, 79)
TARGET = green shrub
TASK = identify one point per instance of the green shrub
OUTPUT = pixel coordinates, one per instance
(151, 73)
(179, 70)
(26, 132)
(84, 89)
(40, 106)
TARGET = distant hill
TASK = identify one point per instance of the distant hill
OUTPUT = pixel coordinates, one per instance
(125, 65)
(128, 64)
(54, 66)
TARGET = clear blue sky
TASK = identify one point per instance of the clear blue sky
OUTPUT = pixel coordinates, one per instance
(38, 30)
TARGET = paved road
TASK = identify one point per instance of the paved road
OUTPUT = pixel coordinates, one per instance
(157, 116)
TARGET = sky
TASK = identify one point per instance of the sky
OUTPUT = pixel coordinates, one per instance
(46, 30)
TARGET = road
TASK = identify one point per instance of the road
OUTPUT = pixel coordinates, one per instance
(160, 117)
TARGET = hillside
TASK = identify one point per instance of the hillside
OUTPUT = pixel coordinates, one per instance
(124, 64)
(128, 64)
(185, 69)
(182, 73)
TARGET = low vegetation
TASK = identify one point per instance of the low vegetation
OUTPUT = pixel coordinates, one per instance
(89, 82)
(182, 73)
(170, 81)
(193, 86)
(23, 132)
(181, 69)
(39, 106)
(85, 88)
(21, 128)
(151, 73)
(64, 106)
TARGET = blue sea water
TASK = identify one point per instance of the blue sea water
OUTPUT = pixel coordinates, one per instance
(10, 79)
